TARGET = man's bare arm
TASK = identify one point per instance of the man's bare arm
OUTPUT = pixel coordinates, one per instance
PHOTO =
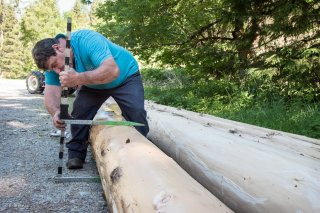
(105, 73)
(52, 98)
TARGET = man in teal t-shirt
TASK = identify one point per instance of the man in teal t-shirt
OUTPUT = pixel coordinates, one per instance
(101, 69)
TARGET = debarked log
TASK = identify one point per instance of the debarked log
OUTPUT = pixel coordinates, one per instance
(138, 177)
(250, 169)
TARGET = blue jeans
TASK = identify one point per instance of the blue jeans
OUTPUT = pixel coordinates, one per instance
(130, 98)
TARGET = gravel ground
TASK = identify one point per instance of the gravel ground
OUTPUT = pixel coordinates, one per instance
(29, 159)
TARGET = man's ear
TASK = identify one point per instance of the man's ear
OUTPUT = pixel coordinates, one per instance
(62, 42)
(57, 47)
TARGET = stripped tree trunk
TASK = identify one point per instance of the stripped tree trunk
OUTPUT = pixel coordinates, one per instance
(250, 169)
(138, 177)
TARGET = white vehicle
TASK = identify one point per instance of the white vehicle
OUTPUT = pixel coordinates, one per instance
(35, 83)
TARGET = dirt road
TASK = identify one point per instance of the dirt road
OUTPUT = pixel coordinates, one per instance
(29, 159)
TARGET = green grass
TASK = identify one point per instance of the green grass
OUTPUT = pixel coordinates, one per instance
(297, 118)
(227, 100)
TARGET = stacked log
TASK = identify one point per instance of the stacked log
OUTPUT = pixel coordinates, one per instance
(250, 169)
(138, 177)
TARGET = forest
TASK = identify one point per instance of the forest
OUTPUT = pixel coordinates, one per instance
(254, 61)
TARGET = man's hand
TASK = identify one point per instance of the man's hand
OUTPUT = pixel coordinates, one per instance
(69, 78)
(58, 123)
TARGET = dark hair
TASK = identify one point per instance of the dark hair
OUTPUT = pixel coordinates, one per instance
(42, 51)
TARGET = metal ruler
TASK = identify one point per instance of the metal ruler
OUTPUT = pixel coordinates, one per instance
(101, 122)
(64, 97)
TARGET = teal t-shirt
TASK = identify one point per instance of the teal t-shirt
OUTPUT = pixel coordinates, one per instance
(90, 49)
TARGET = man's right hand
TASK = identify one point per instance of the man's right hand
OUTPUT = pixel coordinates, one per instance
(58, 123)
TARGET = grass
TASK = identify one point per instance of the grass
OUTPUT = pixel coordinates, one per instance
(297, 118)
(224, 99)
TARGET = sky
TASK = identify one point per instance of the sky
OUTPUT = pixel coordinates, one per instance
(64, 5)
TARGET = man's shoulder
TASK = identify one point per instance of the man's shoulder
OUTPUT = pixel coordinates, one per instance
(84, 32)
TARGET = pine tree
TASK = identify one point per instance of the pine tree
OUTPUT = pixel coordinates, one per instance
(1, 25)
(40, 20)
(11, 55)
(94, 19)
(80, 15)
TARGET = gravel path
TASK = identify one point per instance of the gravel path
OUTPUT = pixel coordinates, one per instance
(29, 159)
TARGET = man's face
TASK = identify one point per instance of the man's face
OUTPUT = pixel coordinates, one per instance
(56, 62)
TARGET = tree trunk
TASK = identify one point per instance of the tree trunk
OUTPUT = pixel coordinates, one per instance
(138, 177)
(250, 169)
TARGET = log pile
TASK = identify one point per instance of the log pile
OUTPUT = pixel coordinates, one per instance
(250, 169)
(138, 177)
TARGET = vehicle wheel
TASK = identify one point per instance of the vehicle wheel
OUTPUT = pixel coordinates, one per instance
(34, 82)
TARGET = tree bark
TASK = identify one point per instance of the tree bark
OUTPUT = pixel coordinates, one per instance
(250, 169)
(138, 177)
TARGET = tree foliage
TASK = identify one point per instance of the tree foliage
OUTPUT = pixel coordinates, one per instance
(10, 42)
(80, 15)
(94, 20)
(217, 38)
(41, 19)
